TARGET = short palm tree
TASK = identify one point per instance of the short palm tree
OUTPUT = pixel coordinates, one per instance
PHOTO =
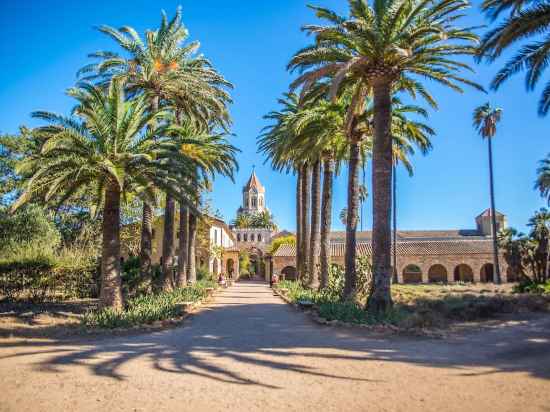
(543, 179)
(485, 121)
(524, 24)
(378, 48)
(103, 150)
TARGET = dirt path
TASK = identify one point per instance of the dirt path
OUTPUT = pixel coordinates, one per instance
(249, 351)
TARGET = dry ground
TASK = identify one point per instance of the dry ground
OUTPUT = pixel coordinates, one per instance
(249, 351)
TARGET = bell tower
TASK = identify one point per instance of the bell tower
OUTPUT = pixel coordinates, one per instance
(253, 196)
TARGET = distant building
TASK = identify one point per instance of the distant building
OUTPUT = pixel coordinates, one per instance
(423, 256)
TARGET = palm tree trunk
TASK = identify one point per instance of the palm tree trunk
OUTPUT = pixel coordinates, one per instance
(382, 161)
(168, 244)
(299, 258)
(493, 216)
(394, 209)
(326, 220)
(350, 282)
(315, 242)
(183, 247)
(111, 285)
(191, 254)
(146, 247)
(306, 199)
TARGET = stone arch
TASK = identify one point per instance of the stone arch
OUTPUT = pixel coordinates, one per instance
(289, 273)
(487, 273)
(437, 273)
(463, 273)
(412, 274)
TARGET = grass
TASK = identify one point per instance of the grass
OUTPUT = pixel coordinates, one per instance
(147, 309)
(425, 306)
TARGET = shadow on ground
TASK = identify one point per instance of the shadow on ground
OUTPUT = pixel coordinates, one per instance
(267, 334)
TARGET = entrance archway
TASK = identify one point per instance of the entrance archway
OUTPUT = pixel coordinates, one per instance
(437, 273)
(487, 273)
(412, 274)
(463, 273)
(289, 273)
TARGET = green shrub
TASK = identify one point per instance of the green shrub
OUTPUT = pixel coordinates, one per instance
(528, 285)
(147, 309)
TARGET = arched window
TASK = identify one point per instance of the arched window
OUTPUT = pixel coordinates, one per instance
(238, 237)
(259, 238)
(245, 236)
(253, 202)
(252, 237)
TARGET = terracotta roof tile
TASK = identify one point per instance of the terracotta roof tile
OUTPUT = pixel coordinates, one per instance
(405, 248)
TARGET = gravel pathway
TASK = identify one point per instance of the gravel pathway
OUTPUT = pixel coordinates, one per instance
(250, 351)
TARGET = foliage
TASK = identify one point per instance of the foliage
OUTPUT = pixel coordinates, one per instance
(29, 226)
(285, 240)
(543, 179)
(147, 309)
(525, 23)
(260, 220)
(527, 285)
(527, 255)
(244, 262)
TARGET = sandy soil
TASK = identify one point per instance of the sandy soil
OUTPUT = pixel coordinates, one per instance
(249, 351)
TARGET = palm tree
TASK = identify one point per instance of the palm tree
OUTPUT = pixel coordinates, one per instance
(376, 49)
(101, 150)
(524, 24)
(540, 234)
(162, 68)
(485, 122)
(543, 179)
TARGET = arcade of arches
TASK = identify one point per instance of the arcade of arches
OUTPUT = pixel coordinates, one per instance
(421, 269)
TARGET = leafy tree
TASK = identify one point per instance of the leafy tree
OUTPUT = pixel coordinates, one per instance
(524, 24)
(485, 121)
(377, 49)
(286, 240)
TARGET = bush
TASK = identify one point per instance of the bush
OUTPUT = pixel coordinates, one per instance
(148, 308)
(528, 285)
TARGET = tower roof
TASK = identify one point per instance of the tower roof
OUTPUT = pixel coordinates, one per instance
(487, 213)
(253, 183)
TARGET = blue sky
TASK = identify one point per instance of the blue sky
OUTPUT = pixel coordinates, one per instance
(44, 43)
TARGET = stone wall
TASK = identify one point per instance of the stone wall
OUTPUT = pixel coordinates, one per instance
(424, 262)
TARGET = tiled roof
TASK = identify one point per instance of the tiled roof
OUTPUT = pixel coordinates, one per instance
(253, 183)
(487, 213)
(405, 235)
(409, 248)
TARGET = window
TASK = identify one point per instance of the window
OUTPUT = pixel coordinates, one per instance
(245, 237)
(238, 237)
(259, 238)
(215, 237)
(153, 233)
(253, 202)
(252, 237)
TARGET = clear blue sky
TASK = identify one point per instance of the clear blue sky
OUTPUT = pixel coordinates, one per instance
(44, 42)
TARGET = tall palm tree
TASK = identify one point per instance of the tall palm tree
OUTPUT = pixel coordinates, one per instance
(376, 49)
(485, 121)
(163, 68)
(543, 179)
(101, 150)
(525, 22)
